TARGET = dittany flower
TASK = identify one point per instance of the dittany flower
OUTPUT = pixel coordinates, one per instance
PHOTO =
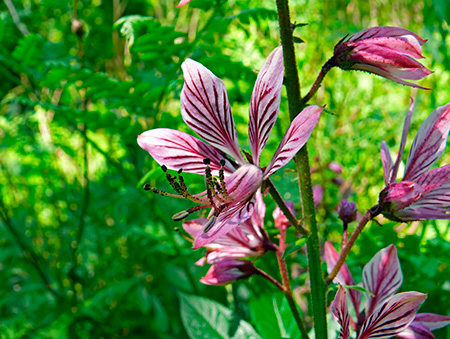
(231, 181)
(423, 193)
(385, 51)
(248, 240)
(386, 314)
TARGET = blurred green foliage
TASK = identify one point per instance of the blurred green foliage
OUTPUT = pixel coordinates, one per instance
(86, 253)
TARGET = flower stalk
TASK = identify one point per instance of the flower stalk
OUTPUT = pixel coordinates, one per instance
(292, 83)
(369, 215)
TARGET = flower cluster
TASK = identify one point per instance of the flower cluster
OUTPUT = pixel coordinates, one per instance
(205, 109)
(386, 314)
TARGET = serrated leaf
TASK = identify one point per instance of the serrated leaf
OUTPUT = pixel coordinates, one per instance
(204, 318)
(294, 247)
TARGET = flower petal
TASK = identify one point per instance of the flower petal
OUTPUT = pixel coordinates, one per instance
(179, 150)
(295, 138)
(416, 330)
(183, 2)
(393, 316)
(344, 277)
(340, 312)
(241, 186)
(265, 102)
(382, 276)
(227, 271)
(434, 202)
(402, 142)
(205, 108)
(429, 143)
(384, 31)
(432, 321)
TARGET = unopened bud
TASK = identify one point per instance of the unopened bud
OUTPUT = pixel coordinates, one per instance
(347, 211)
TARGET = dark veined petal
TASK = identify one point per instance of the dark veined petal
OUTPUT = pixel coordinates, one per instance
(386, 160)
(429, 143)
(265, 102)
(434, 202)
(339, 310)
(296, 136)
(179, 150)
(393, 316)
(205, 108)
(432, 321)
(406, 44)
(416, 330)
(402, 142)
(241, 186)
(382, 276)
(344, 277)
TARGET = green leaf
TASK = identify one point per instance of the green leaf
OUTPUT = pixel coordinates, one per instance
(359, 288)
(294, 247)
(273, 317)
(298, 40)
(204, 318)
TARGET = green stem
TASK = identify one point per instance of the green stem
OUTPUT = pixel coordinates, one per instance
(318, 288)
(287, 285)
(287, 212)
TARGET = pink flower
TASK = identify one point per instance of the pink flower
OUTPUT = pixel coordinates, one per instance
(386, 51)
(205, 108)
(280, 220)
(183, 2)
(247, 240)
(386, 314)
(228, 270)
(422, 194)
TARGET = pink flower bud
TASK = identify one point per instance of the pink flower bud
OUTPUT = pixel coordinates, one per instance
(385, 51)
(398, 196)
(227, 271)
(279, 217)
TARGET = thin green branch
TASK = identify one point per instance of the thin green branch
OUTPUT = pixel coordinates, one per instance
(292, 83)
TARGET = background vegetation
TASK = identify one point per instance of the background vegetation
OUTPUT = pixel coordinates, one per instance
(85, 252)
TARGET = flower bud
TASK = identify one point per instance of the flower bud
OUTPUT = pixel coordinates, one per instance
(347, 211)
(386, 51)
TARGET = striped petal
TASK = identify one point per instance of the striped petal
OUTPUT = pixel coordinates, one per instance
(339, 310)
(429, 143)
(432, 321)
(296, 136)
(178, 150)
(403, 141)
(382, 276)
(241, 186)
(265, 102)
(205, 108)
(434, 202)
(384, 31)
(416, 330)
(386, 160)
(393, 316)
(344, 277)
